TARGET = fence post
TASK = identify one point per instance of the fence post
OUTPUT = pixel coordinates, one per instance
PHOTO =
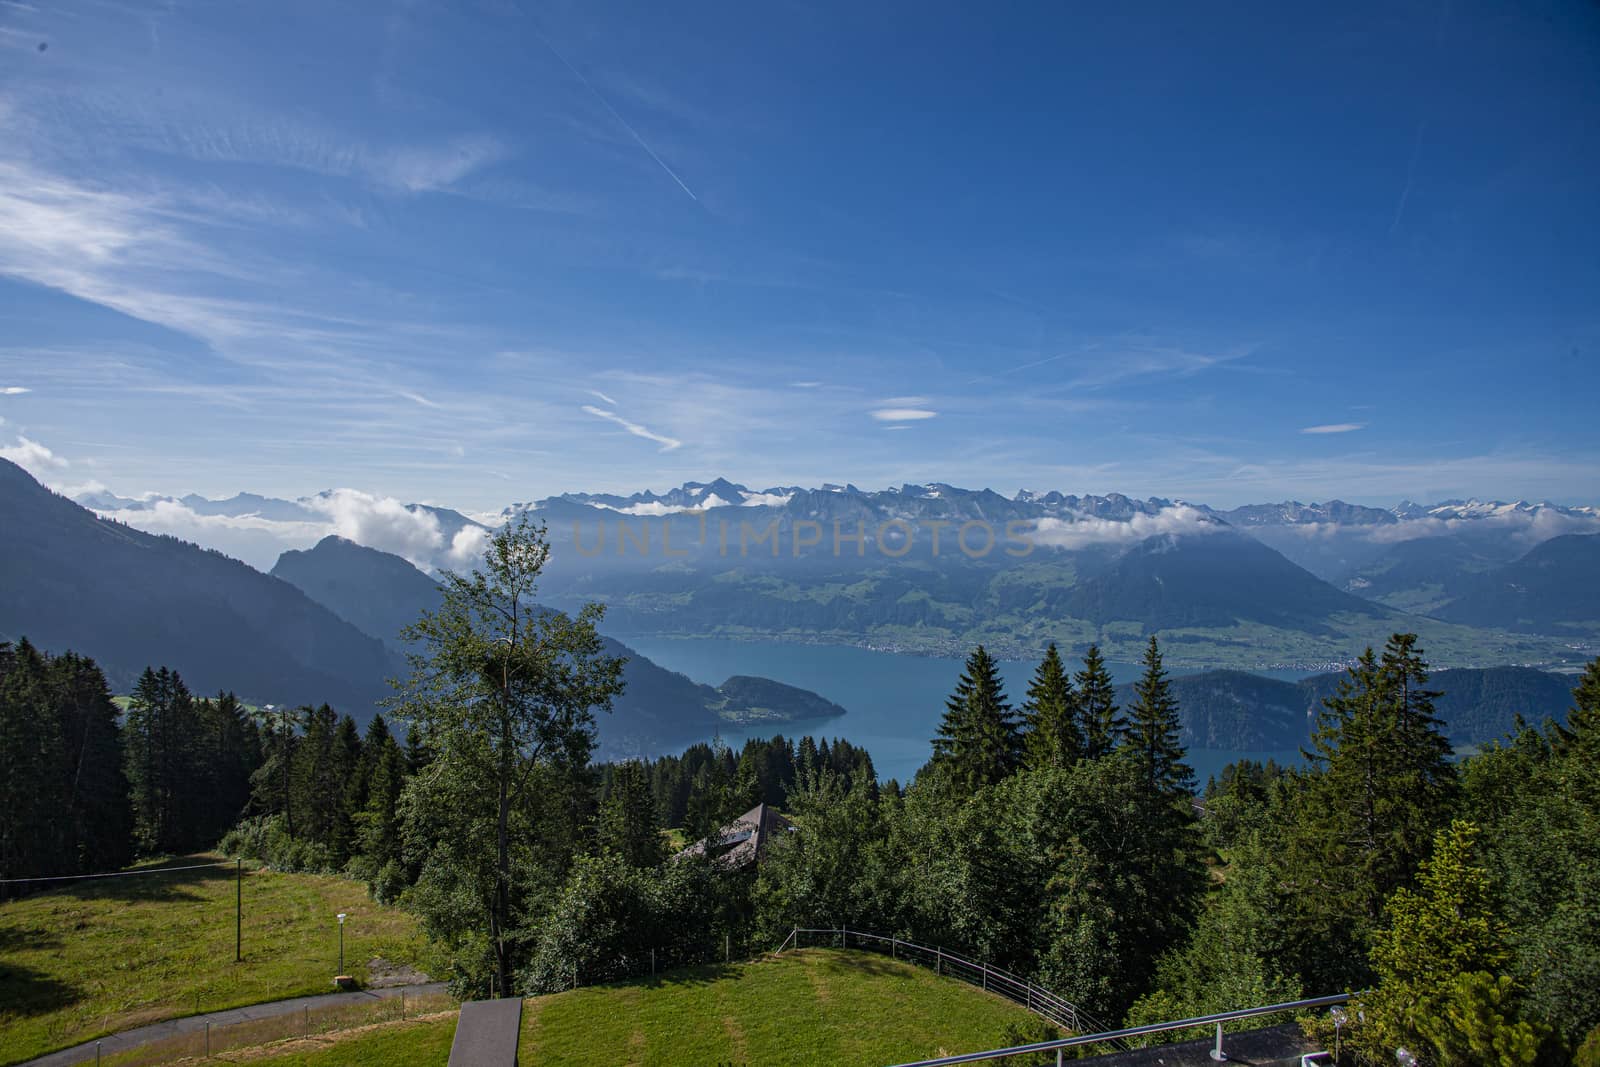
(308, 1021)
(1217, 1053)
(894, 948)
(938, 961)
(652, 963)
(984, 968)
(402, 1005)
(208, 1040)
(727, 948)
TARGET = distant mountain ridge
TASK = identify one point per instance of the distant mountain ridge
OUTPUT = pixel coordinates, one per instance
(717, 558)
(1248, 712)
(70, 580)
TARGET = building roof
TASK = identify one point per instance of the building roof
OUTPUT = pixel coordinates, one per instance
(742, 842)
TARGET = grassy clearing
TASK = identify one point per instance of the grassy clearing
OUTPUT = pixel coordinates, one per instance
(809, 1007)
(101, 956)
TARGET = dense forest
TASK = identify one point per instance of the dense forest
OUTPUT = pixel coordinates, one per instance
(1061, 836)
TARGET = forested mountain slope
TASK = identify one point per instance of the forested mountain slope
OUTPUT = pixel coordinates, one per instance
(382, 593)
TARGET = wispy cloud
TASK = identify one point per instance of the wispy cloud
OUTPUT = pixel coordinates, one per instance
(418, 398)
(1335, 427)
(30, 455)
(13, 390)
(597, 393)
(902, 414)
(667, 443)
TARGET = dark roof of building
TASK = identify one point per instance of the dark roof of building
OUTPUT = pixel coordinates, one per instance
(742, 842)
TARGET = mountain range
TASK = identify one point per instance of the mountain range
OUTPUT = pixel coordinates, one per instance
(935, 568)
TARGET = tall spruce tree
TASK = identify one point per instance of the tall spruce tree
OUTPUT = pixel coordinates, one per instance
(272, 789)
(1054, 733)
(1380, 788)
(162, 732)
(99, 834)
(1154, 735)
(1102, 724)
(377, 824)
(229, 751)
(32, 750)
(978, 742)
(63, 796)
(1167, 850)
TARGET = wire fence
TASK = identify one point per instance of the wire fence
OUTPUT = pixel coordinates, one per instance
(1059, 1047)
(206, 1040)
(1033, 997)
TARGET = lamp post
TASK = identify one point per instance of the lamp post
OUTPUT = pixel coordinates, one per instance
(342, 917)
(1339, 1016)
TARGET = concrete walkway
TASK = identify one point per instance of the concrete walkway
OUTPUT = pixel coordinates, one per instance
(1275, 1046)
(144, 1035)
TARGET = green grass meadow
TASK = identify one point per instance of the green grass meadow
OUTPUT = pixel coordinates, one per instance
(815, 1006)
(101, 956)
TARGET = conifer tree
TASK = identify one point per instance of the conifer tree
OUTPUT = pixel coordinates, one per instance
(628, 823)
(1441, 952)
(978, 742)
(1380, 788)
(1054, 734)
(162, 729)
(1154, 734)
(1102, 725)
(64, 804)
(31, 752)
(272, 784)
(95, 787)
(377, 824)
(228, 753)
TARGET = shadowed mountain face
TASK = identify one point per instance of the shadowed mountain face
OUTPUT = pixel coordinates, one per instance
(382, 594)
(1553, 589)
(69, 580)
(1210, 580)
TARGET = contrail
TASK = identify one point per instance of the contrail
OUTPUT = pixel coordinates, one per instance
(1411, 172)
(576, 73)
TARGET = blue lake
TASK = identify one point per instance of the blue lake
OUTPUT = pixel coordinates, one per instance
(893, 700)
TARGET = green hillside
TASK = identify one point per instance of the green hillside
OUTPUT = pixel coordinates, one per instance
(808, 1007)
(101, 956)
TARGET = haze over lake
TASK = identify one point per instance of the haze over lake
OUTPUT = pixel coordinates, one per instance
(893, 699)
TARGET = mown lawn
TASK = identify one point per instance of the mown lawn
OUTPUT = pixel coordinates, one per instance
(101, 956)
(817, 1006)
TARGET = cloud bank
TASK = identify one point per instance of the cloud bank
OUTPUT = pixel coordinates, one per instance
(381, 522)
(1072, 534)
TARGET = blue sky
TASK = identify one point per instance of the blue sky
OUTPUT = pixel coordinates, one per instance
(476, 253)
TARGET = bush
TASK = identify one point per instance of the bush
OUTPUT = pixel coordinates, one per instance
(264, 838)
(609, 917)
(1588, 1054)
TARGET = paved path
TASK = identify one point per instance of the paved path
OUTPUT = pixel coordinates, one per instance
(1275, 1046)
(144, 1035)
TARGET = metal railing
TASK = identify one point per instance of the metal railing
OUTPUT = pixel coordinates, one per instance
(1060, 1045)
(1035, 998)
